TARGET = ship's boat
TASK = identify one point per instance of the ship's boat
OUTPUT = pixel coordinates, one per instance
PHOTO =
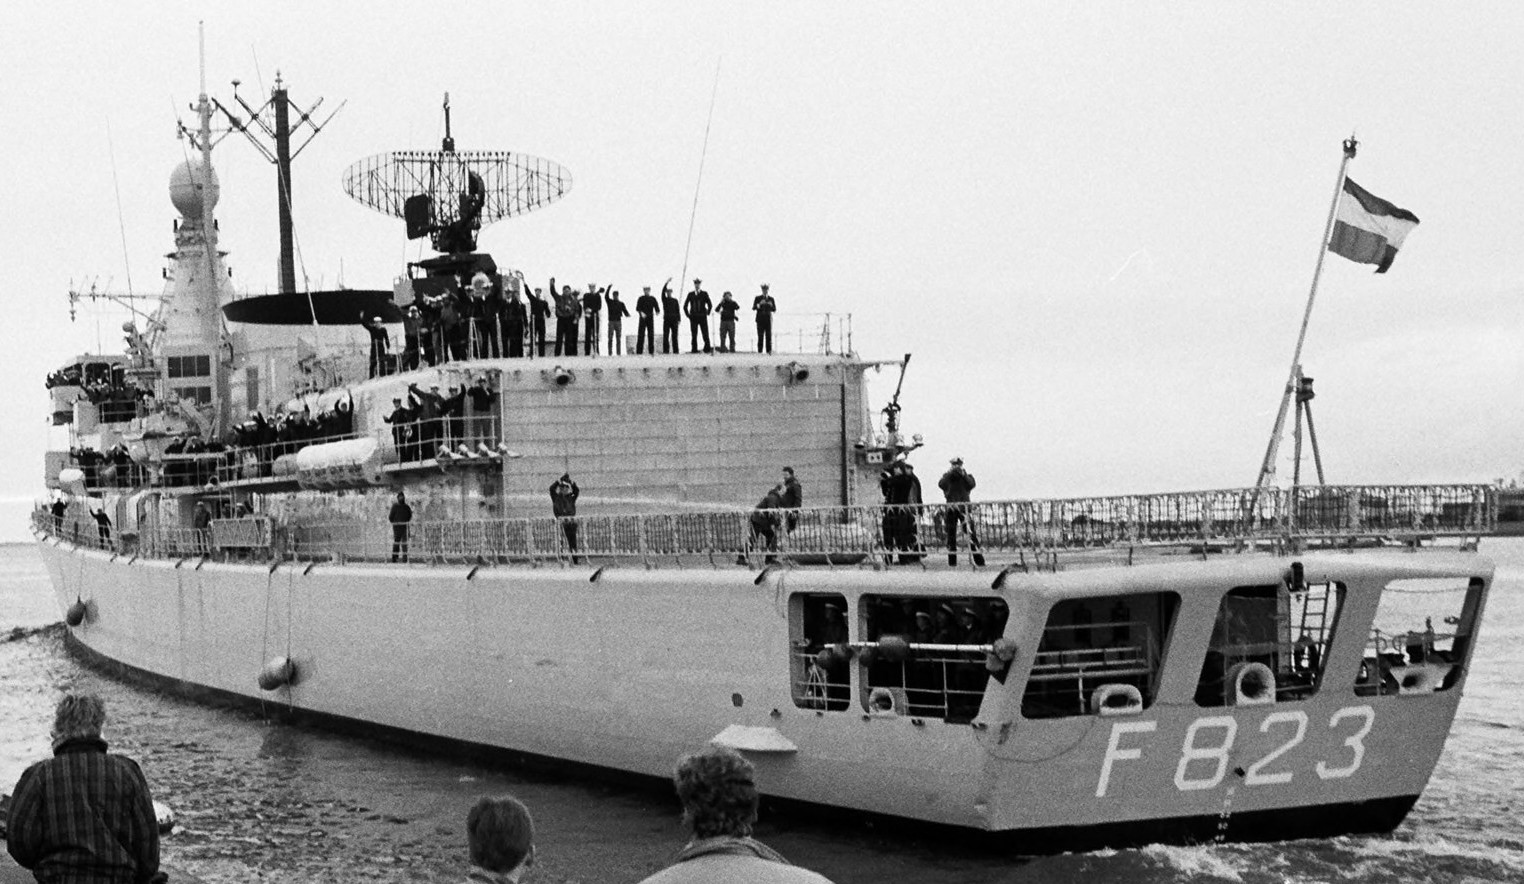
(560, 556)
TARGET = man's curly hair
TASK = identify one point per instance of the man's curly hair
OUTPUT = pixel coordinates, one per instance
(718, 792)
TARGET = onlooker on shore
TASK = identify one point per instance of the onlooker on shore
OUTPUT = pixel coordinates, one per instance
(719, 794)
(500, 836)
(84, 814)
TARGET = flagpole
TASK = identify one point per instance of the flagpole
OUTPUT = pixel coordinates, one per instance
(1267, 469)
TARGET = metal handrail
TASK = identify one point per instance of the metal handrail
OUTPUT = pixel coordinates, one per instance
(1008, 531)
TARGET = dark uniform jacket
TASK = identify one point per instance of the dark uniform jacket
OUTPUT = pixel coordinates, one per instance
(956, 484)
(563, 504)
(697, 305)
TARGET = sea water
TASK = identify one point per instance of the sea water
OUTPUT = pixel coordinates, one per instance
(262, 800)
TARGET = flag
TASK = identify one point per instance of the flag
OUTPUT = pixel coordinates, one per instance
(1368, 229)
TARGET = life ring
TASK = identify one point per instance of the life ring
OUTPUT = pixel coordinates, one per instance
(1116, 699)
(885, 703)
(1250, 684)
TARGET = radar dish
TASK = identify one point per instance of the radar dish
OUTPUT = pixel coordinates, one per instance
(450, 195)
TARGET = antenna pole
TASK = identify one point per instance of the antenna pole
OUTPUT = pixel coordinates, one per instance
(699, 183)
(282, 109)
(1267, 468)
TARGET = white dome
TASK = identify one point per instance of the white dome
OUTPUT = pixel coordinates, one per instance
(184, 190)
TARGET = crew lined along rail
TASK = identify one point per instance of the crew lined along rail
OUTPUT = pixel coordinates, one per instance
(1026, 533)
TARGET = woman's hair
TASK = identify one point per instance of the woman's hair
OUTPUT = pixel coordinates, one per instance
(718, 793)
(500, 833)
(79, 716)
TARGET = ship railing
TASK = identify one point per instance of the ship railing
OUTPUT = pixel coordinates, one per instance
(479, 339)
(1392, 659)
(1021, 533)
(412, 443)
(944, 681)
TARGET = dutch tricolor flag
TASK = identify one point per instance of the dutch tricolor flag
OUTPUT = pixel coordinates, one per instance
(1368, 229)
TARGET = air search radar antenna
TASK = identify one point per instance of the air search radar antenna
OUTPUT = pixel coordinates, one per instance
(448, 195)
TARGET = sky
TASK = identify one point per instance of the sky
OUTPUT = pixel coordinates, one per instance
(1093, 225)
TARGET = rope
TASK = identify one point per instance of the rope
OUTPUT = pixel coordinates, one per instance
(693, 217)
(264, 651)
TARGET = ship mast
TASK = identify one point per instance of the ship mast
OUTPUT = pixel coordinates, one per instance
(1294, 378)
(279, 130)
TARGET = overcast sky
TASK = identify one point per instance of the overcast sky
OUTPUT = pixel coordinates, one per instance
(1094, 225)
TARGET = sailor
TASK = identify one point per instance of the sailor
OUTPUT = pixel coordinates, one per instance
(902, 494)
(645, 330)
(697, 308)
(764, 526)
(764, 306)
(793, 497)
(481, 308)
(59, 507)
(727, 309)
(617, 312)
(539, 310)
(453, 327)
(201, 521)
(671, 315)
(400, 516)
(454, 413)
(515, 317)
(832, 633)
(563, 505)
(718, 790)
(592, 306)
(380, 344)
(403, 430)
(102, 526)
(483, 412)
(956, 484)
(412, 326)
(500, 838)
(84, 814)
(568, 309)
(429, 419)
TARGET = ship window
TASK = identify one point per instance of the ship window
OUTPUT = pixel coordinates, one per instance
(1421, 636)
(820, 663)
(1100, 654)
(198, 395)
(912, 668)
(189, 366)
(1269, 643)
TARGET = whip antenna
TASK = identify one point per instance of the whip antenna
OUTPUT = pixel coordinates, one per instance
(702, 154)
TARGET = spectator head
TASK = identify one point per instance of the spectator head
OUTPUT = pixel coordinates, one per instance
(764, 286)
(719, 795)
(500, 834)
(957, 461)
(78, 717)
(788, 472)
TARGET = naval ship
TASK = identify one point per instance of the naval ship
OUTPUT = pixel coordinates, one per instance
(1235, 664)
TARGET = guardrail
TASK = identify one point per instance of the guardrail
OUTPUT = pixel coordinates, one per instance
(1026, 533)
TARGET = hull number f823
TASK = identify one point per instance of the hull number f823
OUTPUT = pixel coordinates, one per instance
(1209, 743)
